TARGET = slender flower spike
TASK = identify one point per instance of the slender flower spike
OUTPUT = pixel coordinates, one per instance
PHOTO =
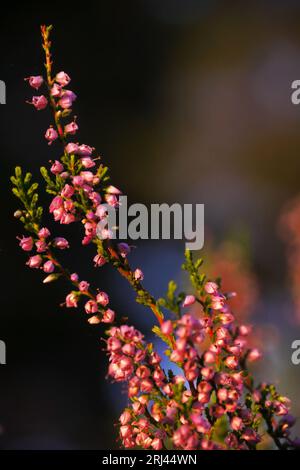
(184, 410)
(35, 81)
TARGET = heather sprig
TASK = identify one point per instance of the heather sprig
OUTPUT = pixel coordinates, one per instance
(213, 403)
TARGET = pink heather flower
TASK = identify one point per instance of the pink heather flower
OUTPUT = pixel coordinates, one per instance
(56, 203)
(211, 287)
(66, 99)
(41, 246)
(91, 307)
(101, 211)
(78, 180)
(61, 243)
(85, 150)
(67, 191)
(67, 218)
(231, 362)
(217, 302)
(102, 299)
(74, 277)
(48, 267)
(111, 200)
(138, 275)
(84, 286)
(39, 102)
(123, 249)
(71, 148)
(236, 423)
(94, 320)
(99, 261)
(87, 162)
(71, 128)
(95, 197)
(167, 327)
(62, 78)
(71, 300)
(88, 176)
(51, 135)
(44, 233)
(157, 443)
(254, 355)
(56, 90)
(113, 190)
(125, 417)
(35, 81)
(35, 261)
(56, 168)
(108, 316)
(189, 300)
(26, 243)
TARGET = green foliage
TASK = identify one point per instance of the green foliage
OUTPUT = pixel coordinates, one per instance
(172, 301)
(166, 339)
(27, 193)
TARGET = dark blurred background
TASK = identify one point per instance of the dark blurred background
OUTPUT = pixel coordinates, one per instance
(187, 101)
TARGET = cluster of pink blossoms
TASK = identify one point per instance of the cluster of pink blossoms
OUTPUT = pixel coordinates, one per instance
(214, 389)
(213, 404)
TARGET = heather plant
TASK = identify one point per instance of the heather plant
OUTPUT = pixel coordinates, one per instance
(214, 403)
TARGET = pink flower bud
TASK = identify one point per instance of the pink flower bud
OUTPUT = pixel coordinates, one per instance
(72, 148)
(35, 81)
(67, 191)
(66, 99)
(95, 320)
(83, 286)
(56, 168)
(44, 233)
(26, 243)
(48, 267)
(111, 200)
(102, 299)
(231, 362)
(71, 128)
(99, 261)
(85, 150)
(211, 287)
(108, 316)
(61, 243)
(91, 307)
(51, 135)
(71, 300)
(167, 327)
(125, 417)
(138, 275)
(74, 277)
(254, 355)
(41, 246)
(236, 423)
(55, 90)
(39, 102)
(62, 78)
(189, 300)
(56, 203)
(35, 261)
(113, 190)
(87, 162)
(78, 180)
